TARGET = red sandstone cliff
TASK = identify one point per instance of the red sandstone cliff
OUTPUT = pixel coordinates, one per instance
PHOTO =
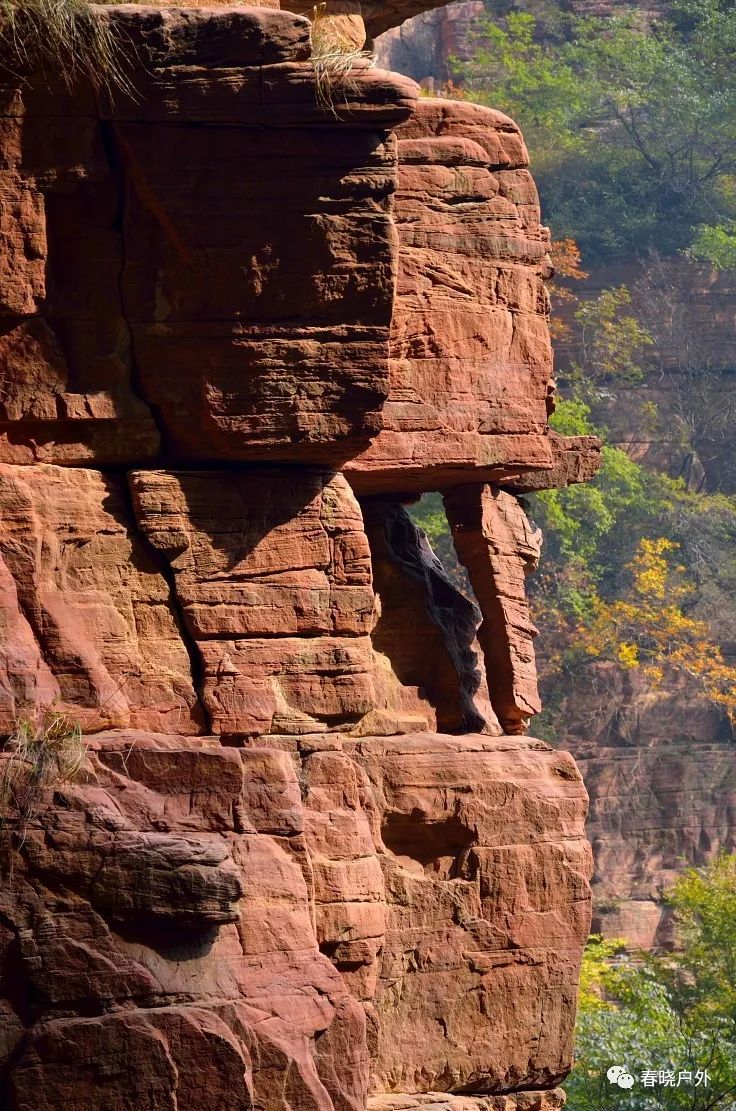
(239, 328)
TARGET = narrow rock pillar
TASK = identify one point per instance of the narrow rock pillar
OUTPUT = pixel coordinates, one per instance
(499, 547)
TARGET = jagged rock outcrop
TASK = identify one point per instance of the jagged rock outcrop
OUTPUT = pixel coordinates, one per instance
(262, 835)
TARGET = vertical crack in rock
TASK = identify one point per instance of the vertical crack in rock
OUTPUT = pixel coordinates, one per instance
(427, 627)
(498, 546)
(196, 664)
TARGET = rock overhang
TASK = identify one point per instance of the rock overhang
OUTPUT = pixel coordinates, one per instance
(230, 305)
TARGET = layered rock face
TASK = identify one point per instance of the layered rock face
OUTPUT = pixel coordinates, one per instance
(658, 764)
(271, 827)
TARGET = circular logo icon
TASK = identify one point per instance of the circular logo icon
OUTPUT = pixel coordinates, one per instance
(619, 1074)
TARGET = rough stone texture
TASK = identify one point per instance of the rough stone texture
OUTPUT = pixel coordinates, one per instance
(246, 314)
(378, 16)
(471, 361)
(87, 616)
(66, 392)
(270, 884)
(223, 927)
(273, 577)
(486, 885)
(498, 545)
(251, 311)
(176, 913)
(436, 1101)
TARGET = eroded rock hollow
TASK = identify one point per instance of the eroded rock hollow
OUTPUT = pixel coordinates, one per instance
(308, 858)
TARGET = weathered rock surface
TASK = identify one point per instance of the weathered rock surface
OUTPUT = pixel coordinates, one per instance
(247, 314)
(486, 885)
(436, 1101)
(471, 361)
(185, 913)
(88, 618)
(378, 16)
(196, 964)
(261, 841)
(272, 573)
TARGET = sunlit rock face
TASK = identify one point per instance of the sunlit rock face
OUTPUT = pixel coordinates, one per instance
(272, 828)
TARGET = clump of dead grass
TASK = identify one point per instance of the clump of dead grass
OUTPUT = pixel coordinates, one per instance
(335, 62)
(67, 39)
(45, 750)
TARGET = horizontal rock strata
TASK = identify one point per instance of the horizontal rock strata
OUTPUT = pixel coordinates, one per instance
(241, 915)
(471, 361)
(264, 841)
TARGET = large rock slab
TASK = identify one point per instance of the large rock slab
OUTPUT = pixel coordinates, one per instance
(89, 621)
(225, 869)
(471, 360)
(149, 963)
(272, 572)
(279, 923)
(486, 871)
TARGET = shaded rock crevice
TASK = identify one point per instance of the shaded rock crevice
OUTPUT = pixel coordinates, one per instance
(427, 627)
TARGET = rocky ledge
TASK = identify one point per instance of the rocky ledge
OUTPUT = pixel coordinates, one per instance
(271, 826)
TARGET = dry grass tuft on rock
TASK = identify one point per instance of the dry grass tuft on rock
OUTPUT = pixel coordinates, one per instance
(43, 751)
(335, 61)
(70, 39)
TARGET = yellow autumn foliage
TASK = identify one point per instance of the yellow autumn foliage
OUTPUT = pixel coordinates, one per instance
(651, 630)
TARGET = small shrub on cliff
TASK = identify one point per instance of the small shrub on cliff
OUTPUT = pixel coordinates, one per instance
(662, 1016)
(69, 39)
(45, 750)
(335, 61)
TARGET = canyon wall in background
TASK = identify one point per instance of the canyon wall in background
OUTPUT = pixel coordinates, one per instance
(657, 760)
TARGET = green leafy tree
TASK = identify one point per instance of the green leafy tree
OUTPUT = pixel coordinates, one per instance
(631, 126)
(674, 1012)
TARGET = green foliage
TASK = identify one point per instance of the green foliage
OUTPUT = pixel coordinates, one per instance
(592, 532)
(716, 245)
(675, 1012)
(612, 342)
(631, 127)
